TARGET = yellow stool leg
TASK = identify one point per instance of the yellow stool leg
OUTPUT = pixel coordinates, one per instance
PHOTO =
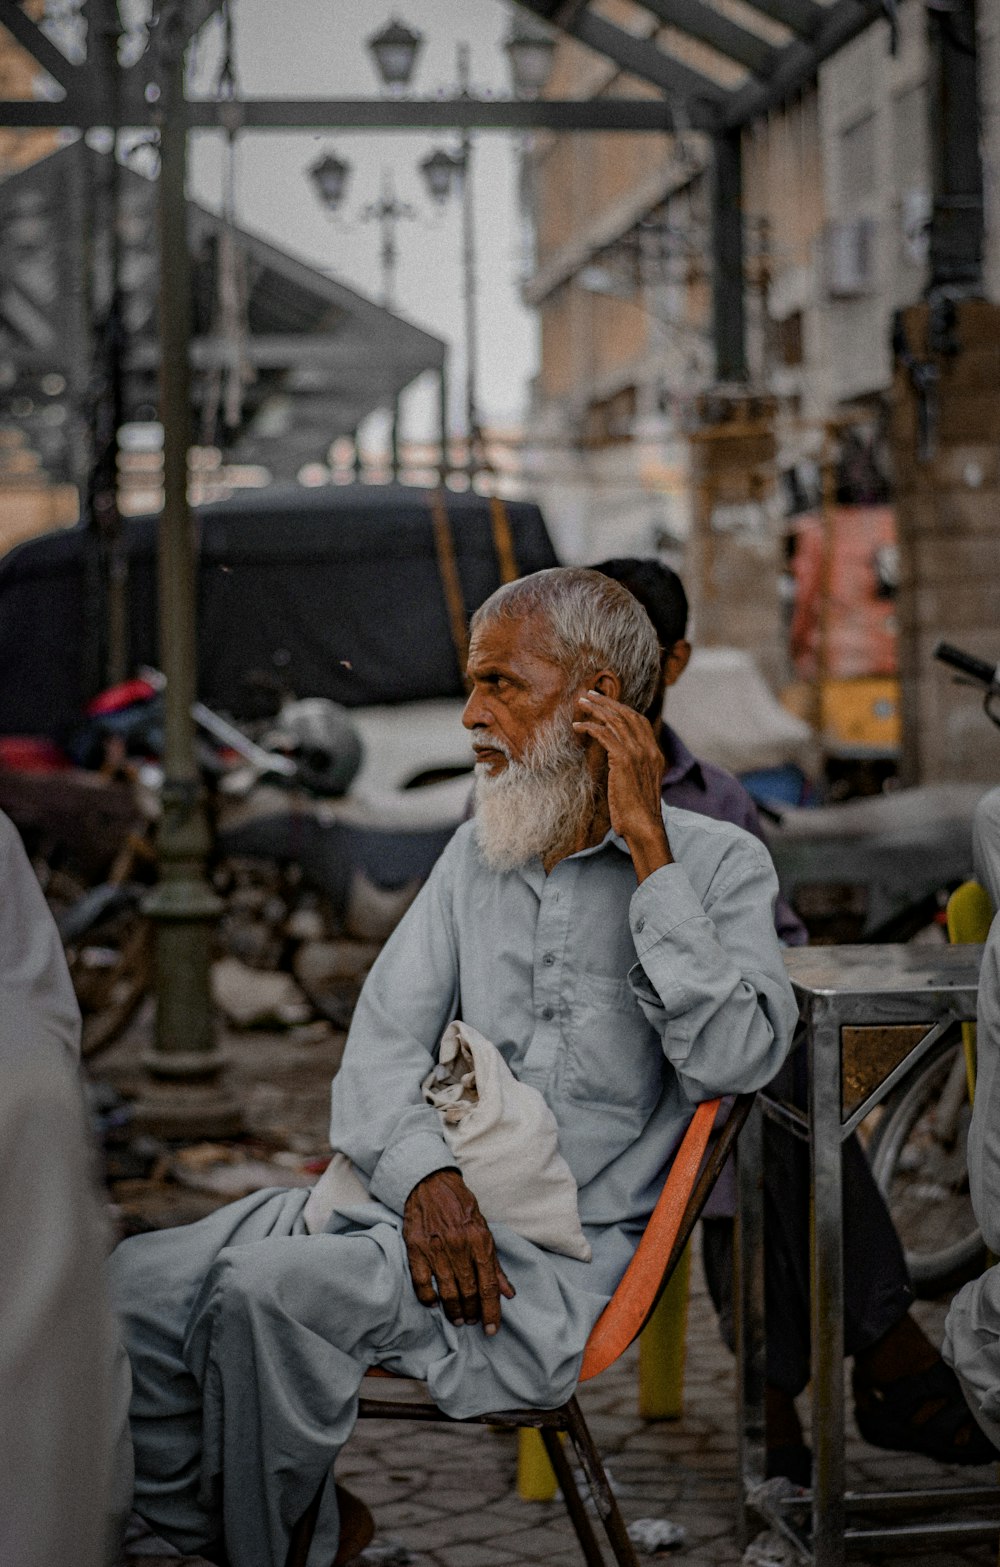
(536, 1480)
(662, 1349)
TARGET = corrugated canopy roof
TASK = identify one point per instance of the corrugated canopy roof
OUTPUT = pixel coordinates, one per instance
(317, 357)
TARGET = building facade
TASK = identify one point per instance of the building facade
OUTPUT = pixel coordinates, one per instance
(639, 448)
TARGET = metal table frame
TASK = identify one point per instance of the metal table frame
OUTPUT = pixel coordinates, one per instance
(839, 987)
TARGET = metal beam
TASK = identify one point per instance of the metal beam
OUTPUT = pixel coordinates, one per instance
(715, 29)
(641, 57)
(287, 351)
(799, 16)
(375, 114)
(956, 238)
(42, 50)
(799, 62)
(728, 323)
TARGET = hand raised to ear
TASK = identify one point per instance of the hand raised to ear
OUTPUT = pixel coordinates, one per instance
(448, 1242)
(635, 774)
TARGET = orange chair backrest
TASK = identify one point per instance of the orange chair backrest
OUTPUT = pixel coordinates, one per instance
(626, 1312)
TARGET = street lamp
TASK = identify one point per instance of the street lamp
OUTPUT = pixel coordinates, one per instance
(395, 51)
(329, 175)
(387, 212)
(529, 48)
(446, 173)
(442, 172)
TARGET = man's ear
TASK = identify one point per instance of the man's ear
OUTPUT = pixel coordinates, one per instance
(676, 662)
(608, 684)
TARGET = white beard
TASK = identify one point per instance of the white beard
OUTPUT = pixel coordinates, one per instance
(536, 807)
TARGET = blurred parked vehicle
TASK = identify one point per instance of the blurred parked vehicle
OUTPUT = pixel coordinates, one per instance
(354, 593)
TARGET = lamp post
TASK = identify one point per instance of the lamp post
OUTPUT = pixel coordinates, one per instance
(395, 50)
(185, 1060)
(444, 173)
(330, 175)
(529, 47)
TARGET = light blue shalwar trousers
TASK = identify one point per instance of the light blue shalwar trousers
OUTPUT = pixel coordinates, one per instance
(249, 1340)
(623, 1005)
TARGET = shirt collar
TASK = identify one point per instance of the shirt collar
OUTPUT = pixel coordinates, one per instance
(682, 763)
(534, 874)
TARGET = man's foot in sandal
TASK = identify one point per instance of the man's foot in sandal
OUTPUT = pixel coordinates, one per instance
(921, 1412)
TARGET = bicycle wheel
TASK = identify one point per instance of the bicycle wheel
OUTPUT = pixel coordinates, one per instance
(918, 1157)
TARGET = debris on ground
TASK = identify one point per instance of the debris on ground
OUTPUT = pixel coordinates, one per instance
(316, 963)
(650, 1535)
(331, 974)
(387, 1553)
(773, 1493)
(257, 998)
(318, 1032)
(227, 1170)
(770, 1549)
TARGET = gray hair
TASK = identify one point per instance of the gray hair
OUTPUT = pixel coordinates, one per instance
(590, 623)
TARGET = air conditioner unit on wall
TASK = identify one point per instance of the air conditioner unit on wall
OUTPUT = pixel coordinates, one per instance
(849, 252)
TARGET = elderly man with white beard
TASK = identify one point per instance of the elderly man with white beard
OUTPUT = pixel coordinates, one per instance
(621, 957)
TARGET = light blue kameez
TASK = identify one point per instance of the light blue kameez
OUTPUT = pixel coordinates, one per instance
(623, 1005)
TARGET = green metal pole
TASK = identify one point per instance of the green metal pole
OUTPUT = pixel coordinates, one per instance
(185, 1056)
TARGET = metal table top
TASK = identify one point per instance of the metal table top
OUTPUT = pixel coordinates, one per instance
(897, 972)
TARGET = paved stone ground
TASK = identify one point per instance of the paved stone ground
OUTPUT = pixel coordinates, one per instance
(449, 1494)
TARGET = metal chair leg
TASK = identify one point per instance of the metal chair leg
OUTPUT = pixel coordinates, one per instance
(575, 1505)
(604, 1501)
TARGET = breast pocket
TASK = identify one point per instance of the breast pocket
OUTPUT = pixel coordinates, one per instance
(613, 1057)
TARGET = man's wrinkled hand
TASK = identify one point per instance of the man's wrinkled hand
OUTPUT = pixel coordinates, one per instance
(449, 1243)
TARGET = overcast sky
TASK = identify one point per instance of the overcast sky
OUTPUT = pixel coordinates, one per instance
(316, 48)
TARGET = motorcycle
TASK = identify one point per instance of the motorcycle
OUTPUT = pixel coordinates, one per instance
(299, 857)
(885, 863)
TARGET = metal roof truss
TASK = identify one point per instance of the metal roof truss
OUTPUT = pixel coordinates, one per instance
(691, 93)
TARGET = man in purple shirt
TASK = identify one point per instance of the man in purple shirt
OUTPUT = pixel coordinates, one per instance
(905, 1396)
(702, 786)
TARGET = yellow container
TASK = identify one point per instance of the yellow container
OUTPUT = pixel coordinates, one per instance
(861, 715)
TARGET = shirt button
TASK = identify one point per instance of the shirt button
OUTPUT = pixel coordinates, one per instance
(549, 959)
(548, 1014)
(640, 924)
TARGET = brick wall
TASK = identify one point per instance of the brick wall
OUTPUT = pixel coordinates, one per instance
(948, 510)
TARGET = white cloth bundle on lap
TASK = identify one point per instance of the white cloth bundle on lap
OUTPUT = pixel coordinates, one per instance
(505, 1141)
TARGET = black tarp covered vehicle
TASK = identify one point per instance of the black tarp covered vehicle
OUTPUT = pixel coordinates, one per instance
(334, 592)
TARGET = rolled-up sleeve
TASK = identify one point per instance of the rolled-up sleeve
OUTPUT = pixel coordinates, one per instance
(710, 977)
(378, 1115)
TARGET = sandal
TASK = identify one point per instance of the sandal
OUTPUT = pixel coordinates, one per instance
(923, 1413)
